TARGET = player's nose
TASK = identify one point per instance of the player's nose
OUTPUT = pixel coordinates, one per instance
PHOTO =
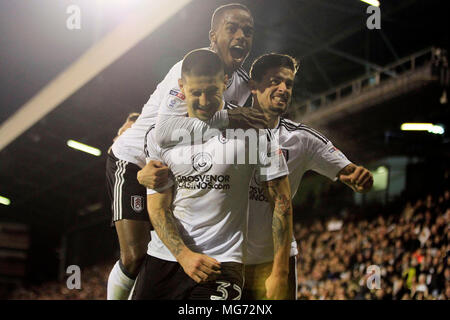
(239, 34)
(202, 99)
(282, 87)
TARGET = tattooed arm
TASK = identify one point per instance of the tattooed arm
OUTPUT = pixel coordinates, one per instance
(279, 194)
(198, 266)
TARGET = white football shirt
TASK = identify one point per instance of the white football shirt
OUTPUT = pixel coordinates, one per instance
(211, 196)
(168, 97)
(304, 149)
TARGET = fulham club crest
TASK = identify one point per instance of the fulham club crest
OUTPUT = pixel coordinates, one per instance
(137, 203)
(202, 162)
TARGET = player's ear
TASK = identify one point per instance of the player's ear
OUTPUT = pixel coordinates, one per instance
(180, 84)
(252, 86)
(225, 80)
(212, 37)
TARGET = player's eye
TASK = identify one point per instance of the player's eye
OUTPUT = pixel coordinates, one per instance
(248, 31)
(274, 81)
(196, 93)
(211, 92)
(231, 28)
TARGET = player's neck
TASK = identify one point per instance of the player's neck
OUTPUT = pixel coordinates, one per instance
(272, 121)
(277, 122)
(228, 71)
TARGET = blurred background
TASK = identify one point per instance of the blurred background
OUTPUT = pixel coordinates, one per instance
(74, 70)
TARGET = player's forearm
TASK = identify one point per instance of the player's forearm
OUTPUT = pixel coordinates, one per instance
(348, 169)
(163, 222)
(282, 226)
(282, 235)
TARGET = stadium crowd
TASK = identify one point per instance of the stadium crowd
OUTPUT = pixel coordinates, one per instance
(409, 247)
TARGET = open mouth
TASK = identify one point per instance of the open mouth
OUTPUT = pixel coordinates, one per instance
(237, 52)
(280, 100)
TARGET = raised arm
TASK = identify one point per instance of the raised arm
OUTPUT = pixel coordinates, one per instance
(199, 267)
(279, 195)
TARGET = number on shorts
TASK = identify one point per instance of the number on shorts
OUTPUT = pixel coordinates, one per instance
(222, 288)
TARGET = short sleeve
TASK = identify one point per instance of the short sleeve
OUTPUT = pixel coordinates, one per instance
(173, 103)
(272, 163)
(327, 159)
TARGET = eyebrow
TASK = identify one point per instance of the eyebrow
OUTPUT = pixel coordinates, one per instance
(287, 80)
(246, 25)
(279, 78)
(206, 89)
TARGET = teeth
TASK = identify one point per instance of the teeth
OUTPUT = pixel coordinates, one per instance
(279, 99)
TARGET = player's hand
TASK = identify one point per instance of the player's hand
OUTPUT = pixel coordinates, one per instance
(154, 175)
(360, 180)
(247, 118)
(277, 287)
(199, 267)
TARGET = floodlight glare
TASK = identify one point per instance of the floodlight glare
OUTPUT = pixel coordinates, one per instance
(374, 3)
(432, 128)
(437, 129)
(416, 126)
(83, 147)
(137, 26)
(5, 201)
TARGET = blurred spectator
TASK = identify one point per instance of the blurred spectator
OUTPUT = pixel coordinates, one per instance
(421, 287)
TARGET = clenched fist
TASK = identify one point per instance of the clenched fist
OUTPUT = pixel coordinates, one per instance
(356, 177)
(154, 175)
